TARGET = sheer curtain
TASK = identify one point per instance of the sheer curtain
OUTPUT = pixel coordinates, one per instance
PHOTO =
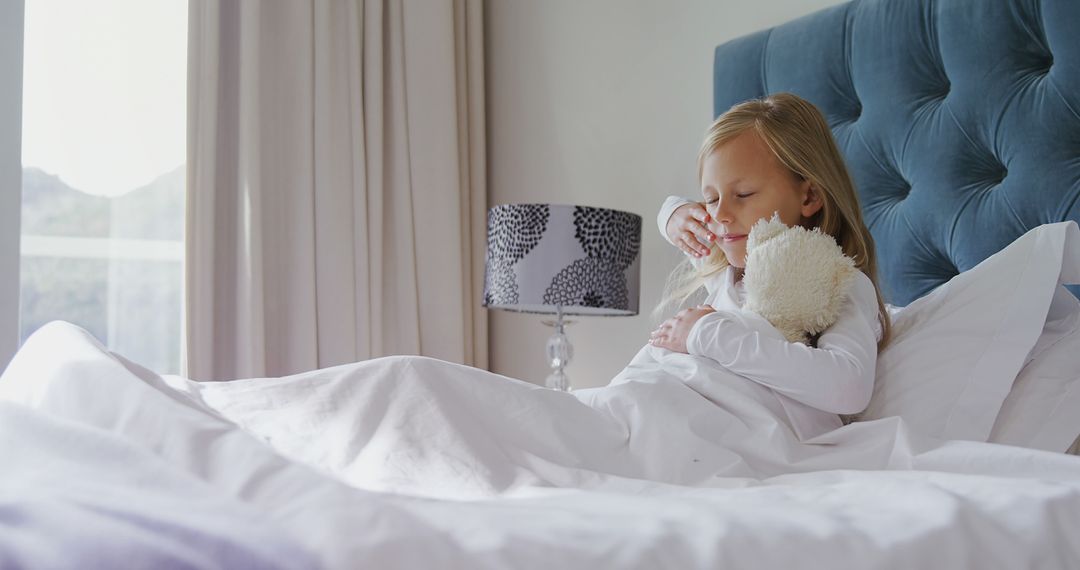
(336, 190)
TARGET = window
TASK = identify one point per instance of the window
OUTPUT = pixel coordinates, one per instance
(103, 151)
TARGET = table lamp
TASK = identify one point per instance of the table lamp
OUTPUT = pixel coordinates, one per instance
(562, 260)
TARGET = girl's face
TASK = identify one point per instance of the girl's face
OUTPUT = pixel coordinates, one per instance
(743, 182)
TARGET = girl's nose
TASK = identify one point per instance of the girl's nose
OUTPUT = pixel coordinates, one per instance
(720, 214)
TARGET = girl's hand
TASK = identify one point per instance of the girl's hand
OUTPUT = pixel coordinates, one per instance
(672, 333)
(687, 228)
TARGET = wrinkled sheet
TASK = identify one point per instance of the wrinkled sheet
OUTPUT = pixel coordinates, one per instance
(349, 466)
(74, 496)
(405, 462)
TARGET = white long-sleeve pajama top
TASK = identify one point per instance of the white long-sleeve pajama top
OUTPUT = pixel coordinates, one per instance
(812, 385)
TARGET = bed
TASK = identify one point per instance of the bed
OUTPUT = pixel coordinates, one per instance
(959, 121)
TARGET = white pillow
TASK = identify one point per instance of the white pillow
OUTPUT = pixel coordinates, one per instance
(955, 352)
(1042, 410)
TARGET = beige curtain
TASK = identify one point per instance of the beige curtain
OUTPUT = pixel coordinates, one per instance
(336, 190)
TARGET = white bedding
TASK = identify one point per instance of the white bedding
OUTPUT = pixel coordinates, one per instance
(409, 462)
(491, 518)
(72, 496)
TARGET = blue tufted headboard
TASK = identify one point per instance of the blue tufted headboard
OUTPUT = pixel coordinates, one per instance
(959, 119)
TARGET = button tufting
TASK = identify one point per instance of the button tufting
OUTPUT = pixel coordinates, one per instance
(1043, 65)
(903, 190)
(950, 269)
(856, 111)
(946, 88)
(995, 177)
(853, 115)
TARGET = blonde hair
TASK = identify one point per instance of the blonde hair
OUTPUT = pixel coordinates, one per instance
(797, 134)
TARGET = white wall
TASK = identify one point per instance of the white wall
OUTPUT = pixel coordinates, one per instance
(11, 44)
(603, 103)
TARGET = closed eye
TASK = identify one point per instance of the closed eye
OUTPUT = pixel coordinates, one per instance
(717, 199)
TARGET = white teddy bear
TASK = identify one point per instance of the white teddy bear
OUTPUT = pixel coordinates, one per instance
(795, 278)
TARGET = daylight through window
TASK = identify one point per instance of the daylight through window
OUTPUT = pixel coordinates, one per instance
(104, 104)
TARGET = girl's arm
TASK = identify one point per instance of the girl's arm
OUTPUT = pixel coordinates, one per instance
(837, 376)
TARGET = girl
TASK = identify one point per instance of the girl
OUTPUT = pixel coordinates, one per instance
(774, 155)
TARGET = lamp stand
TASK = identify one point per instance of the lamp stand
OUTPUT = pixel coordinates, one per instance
(559, 353)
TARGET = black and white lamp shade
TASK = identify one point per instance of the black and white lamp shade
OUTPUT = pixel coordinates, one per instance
(546, 257)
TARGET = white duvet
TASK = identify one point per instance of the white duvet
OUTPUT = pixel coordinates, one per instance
(408, 462)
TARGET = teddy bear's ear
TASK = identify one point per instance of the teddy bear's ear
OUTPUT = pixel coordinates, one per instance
(764, 230)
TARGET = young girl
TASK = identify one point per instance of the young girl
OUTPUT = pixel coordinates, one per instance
(774, 155)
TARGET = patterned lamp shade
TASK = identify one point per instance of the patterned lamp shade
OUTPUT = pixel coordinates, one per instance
(546, 257)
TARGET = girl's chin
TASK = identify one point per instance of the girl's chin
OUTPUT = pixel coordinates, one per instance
(735, 260)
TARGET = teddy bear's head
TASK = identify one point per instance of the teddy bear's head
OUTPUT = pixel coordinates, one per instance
(795, 278)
